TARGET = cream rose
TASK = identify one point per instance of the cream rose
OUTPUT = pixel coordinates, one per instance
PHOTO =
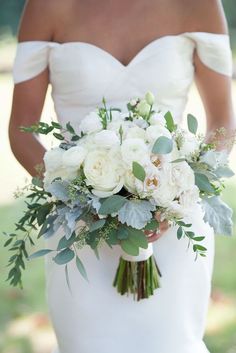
(153, 132)
(90, 123)
(136, 132)
(134, 150)
(53, 159)
(104, 172)
(74, 157)
(106, 139)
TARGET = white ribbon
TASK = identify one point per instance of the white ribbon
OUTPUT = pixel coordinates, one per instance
(143, 255)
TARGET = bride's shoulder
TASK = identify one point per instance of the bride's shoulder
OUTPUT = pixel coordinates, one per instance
(204, 16)
(40, 18)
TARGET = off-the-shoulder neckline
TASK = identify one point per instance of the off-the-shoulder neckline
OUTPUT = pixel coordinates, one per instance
(149, 44)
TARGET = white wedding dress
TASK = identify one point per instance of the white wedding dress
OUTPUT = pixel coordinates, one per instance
(95, 318)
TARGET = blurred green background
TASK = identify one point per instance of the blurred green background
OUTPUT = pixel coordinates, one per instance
(24, 323)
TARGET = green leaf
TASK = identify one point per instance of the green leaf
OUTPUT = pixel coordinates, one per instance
(138, 238)
(179, 232)
(97, 225)
(129, 247)
(199, 247)
(203, 183)
(112, 204)
(70, 128)
(56, 125)
(152, 225)
(192, 123)
(138, 171)
(64, 256)
(224, 172)
(43, 211)
(163, 145)
(8, 242)
(170, 122)
(112, 238)
(66, 243)
(198, 238)
(39, 253)
(67, 278)
(122, 232)
(58, 136)
(81, 268)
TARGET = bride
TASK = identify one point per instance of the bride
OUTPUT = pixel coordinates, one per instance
(88, 49)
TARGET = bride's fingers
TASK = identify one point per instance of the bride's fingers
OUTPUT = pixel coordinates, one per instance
(154, 236)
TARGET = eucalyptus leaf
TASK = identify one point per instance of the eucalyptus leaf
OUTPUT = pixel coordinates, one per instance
(39, 253)
(97, 225)
(152, 225)
(129, 247)
(203, 183)
(59, 189)
(65, 243)
(137, 237)
(81, 268)
(192, 123)
(170, 121)
(111, 204)
(218, 214)
(163, 145)
(64, 256)
(224, 172)
(138, 171)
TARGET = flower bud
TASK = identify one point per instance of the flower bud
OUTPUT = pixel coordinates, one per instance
(150, 99)
(143, 108)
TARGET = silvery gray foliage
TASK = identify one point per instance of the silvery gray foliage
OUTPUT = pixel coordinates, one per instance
(59, 189)
(71, 218)
(95, 202)
(218, 214)
(136, 213)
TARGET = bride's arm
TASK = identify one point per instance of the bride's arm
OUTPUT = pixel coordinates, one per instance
(215, 88)
(29, 96)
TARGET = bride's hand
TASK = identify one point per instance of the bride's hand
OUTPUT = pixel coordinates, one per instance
(163, 226)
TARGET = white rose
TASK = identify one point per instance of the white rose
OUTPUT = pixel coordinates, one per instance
(186, 203)
(104, 172)
(166, 191)
(130, 182)
(134, 150)
(53, 159)
(136, 132)
(183, 176)
(189, 144)
(118, 124)
(90, 123)
(153, 132)
(64, 174)
(106, 139)
(74, 157)
(157, 119)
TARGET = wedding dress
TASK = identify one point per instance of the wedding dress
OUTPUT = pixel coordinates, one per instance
(95, 318)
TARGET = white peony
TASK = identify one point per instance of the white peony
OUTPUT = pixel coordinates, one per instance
(157, 119)
(134, 150)
(53, 159)
(153, 132)
(136, 132)
(182, 176)
(74, 157)
(106, 139)
(104, 172)
(90, 123)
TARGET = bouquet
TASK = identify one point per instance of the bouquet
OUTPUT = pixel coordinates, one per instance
(106, 182)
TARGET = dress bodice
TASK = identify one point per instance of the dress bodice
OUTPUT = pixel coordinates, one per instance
(81, 74)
